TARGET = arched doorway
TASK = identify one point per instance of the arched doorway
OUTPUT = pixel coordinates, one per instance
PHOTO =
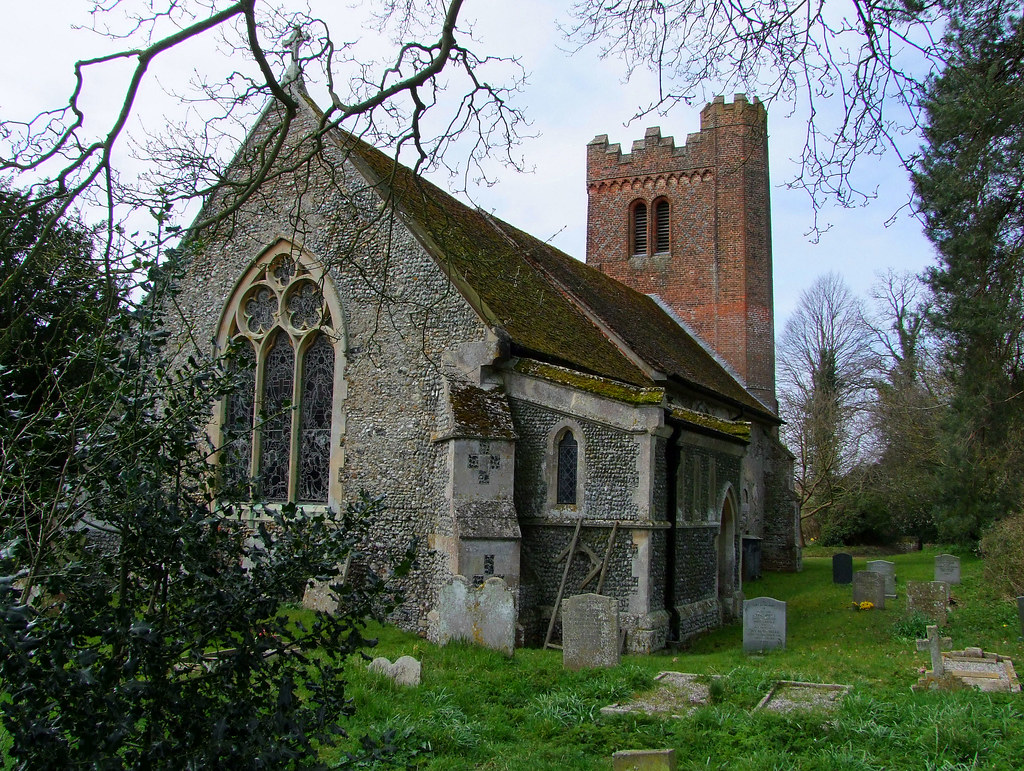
(727, 556)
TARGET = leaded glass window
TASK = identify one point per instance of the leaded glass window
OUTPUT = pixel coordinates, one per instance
(276, 424)
(315, 431)
(568, 458)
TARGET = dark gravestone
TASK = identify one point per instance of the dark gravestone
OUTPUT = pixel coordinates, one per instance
(751, 558)
(842, 568)
(764, 624)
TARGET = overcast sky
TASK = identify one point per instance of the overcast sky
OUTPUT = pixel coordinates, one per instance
(569, 99)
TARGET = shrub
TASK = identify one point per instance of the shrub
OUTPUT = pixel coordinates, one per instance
(1002, 547)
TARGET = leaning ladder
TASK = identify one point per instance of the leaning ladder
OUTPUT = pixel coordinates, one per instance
(565, 576)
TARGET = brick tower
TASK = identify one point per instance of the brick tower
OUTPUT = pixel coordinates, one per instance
(692, 225)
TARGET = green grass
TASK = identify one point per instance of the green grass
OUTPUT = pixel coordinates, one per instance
(477, 709)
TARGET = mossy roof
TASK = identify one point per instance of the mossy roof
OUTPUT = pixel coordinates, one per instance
(552, 307)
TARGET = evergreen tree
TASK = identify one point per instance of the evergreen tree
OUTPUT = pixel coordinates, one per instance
(970, 186)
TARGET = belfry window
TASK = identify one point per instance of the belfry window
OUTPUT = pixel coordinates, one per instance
(568, 468)
(661, 226)
(639, 228)
(276, 424)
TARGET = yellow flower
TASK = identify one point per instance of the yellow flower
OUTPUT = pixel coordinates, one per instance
(866, 605)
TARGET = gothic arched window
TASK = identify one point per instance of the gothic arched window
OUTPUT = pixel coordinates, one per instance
(568, 469)
(277, 424)
(638, 228)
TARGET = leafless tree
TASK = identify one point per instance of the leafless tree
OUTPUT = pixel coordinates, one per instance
(865, 62)
(826, 366)
(428, 92)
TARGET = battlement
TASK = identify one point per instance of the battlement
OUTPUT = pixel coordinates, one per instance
(657, 154)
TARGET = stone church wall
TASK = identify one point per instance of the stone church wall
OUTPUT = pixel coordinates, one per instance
(401, 315)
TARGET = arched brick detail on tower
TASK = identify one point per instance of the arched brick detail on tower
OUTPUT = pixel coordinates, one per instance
(717, 273)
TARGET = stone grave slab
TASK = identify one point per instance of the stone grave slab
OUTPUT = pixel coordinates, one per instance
(644, 760)
(947, 568)
(842, 568)
(971, 667)
(590, 632)
(888, 570)
(792, 695)
(930, 598)
(869, 586)
(675, 694)
(484, 615)
(764, 624)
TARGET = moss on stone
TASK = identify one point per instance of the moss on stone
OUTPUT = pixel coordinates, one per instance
(737, 429)
(600, 386)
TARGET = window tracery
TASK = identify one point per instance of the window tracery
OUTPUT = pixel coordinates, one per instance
(276, 426)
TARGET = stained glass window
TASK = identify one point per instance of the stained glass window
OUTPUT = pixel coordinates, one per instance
(237, 459)
(568, 455)
(287, 447)
(315, 430)
(275, 432)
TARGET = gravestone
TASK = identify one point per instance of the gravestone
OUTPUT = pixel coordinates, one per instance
(888, 570)
(405, 671)
(869, 586)
(764, 624)
(930, 598)
(935, 645)
(644, 760)
(947, 568)
(485, 615)
(842, 568)
(590, 631)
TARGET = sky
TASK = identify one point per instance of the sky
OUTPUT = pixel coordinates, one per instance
(569, 98)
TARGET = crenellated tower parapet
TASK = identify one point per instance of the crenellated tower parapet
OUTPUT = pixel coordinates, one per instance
(692, 224)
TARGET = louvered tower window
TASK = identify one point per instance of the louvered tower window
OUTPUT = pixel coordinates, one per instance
(661, 226)
(568, 458)
(640, 228)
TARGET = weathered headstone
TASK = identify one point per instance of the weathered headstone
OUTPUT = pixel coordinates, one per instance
(590, 631)
(888, 570)
(947, 568)
(405, 671)
(764, 624)
(485, 615)
(935, 645)
(930, 598)
(869, 586)
(842, 568)
(644, 760)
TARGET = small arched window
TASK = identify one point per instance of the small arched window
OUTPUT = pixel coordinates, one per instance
(661, 226)
(276, 426)
(568, 469)
(639, 228)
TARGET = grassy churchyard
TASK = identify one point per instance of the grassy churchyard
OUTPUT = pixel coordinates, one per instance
(477, 709)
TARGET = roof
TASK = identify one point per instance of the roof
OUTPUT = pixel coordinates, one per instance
(552, 307)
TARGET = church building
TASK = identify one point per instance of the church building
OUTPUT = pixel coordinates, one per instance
(570, 427)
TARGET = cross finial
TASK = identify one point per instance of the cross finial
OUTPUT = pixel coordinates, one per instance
(294, 41)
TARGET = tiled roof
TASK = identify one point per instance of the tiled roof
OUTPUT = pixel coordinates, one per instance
(552, 307)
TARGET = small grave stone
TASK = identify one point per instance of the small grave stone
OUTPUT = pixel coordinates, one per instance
(935, 645)
(888, 570)
(842, 568)
(590, 632)
(869, 586)
(485, 615)
(764, 624)
(644, 760)
(930, 598)
(405, 671)
(947, 568)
